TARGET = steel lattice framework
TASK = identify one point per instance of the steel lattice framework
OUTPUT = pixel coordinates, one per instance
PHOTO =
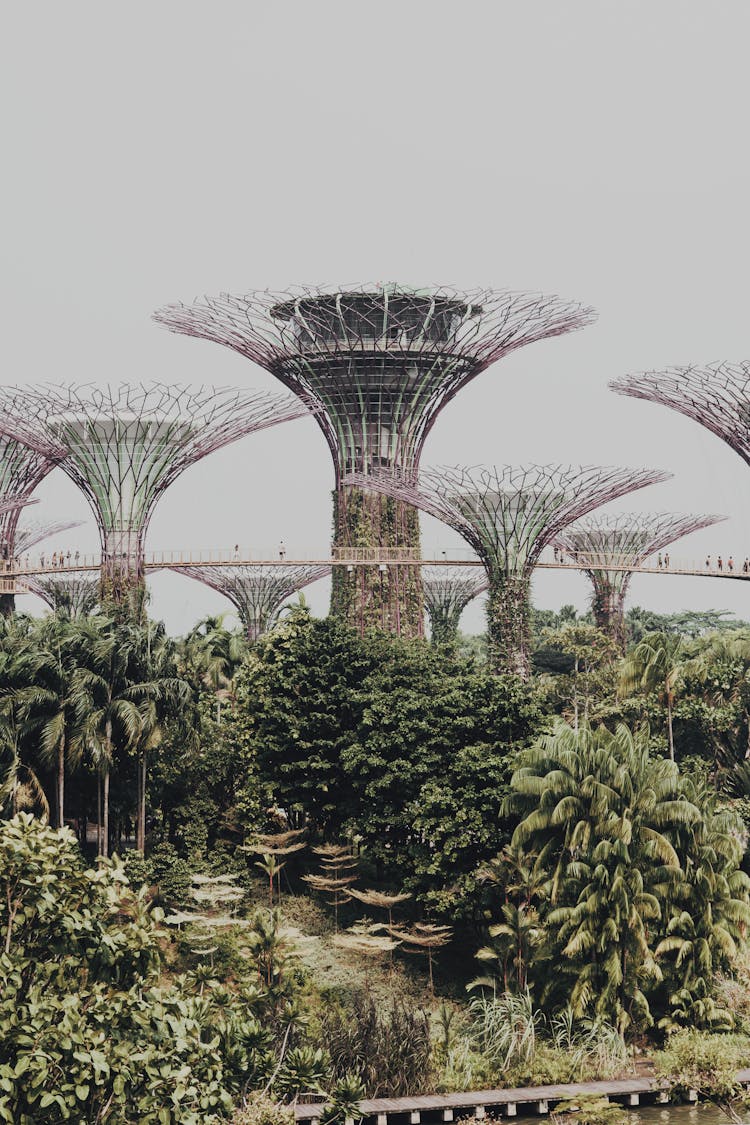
(447, 592)
(508, 515)
(622, 540)
(378, 363)
(32, 532)
(716, 395)
(123, 445)
(257, 592)
(21, 470)
(74, 594)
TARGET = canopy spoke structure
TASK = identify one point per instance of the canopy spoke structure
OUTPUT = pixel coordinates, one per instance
(508, 515)
(447, 592)
(716, 395)
(124, 444)
(378, 363)
(622, 540)
(32, 532)
(257, 592)
(74, 595)
(21, 471)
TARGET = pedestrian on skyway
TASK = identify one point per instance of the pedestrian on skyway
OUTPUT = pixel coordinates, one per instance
(719, 564)
(666, 558)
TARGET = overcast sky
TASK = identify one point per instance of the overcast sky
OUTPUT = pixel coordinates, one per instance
(156, 151)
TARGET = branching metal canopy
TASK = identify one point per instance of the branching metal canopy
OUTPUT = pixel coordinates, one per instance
(448, 590)
(21, 470)
(32, 532)
(123, 445)
(257, 592)
(717, 396)
(625, 539)
(76, 594)
(508, 514)
(379, 362)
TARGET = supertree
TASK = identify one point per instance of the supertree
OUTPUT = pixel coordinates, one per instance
(621, 541)
(508, 515)
(257, 592)
(447, 592)
(717, 396)
(123, 445)
(75, 594)
(379, 362)
(31, 532)
(21, 470)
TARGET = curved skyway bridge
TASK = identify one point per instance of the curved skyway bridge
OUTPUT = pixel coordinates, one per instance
(13, 572)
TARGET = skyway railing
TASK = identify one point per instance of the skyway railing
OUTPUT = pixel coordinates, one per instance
(67, 562)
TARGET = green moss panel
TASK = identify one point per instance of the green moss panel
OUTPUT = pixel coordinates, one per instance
(509, 625)
(367, 597)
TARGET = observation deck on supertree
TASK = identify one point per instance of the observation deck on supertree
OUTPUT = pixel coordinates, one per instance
(123, 445)
(378, 362)
(508, 516)
(257, 592)
(447, 592)
(74, 594)
(21, 470)
(622, 540)
(716, 395)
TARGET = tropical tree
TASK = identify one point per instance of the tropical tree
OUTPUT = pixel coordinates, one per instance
(657, 664)
(603, 816)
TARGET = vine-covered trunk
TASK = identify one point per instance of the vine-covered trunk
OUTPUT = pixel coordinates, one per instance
(509, 625)
(387, 597)
(444, 621)
(123, 576)
(7, 605)
(608, 608)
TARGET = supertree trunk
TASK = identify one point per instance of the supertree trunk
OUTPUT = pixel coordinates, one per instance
(444, 623)
(123, 575)
(389, 597)
(509, 625)
(7, 605)
(608, 608)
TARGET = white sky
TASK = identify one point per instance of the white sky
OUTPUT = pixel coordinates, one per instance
(596, 149)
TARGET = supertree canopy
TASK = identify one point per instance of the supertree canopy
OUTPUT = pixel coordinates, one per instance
(31, 532)
(620, 541)
(508, 515)
(21, 470)
(717, 396)
(379, 362)
(75, 594)
(124, 445)
(257, 592)
(447, 592)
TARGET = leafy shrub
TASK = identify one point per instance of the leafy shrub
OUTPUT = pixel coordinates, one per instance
(171, 874)
(84, 1032)
(390, 1051)
(706, 1062)
(259, 1109)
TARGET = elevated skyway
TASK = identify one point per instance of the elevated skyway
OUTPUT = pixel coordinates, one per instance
(12, 573)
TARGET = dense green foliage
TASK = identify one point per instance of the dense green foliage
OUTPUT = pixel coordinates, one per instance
(584, 831)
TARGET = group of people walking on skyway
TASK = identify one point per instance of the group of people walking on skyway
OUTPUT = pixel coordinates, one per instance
(582, 558)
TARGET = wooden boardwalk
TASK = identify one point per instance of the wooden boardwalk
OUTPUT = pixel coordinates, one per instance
(535, 1100)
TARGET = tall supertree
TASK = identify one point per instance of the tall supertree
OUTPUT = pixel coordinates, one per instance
(123, 445)
(257, 592)
(447, 592)
(716, 395)
(378, 362)
(508, 516)
(75, 594)
(620, 541)
(21, 470)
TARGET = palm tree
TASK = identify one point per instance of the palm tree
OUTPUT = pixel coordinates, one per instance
(118, 708)
(20, 787)
(47, 706)
(603, 816)
(657, 664)
(722, 670)
(214, 654)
